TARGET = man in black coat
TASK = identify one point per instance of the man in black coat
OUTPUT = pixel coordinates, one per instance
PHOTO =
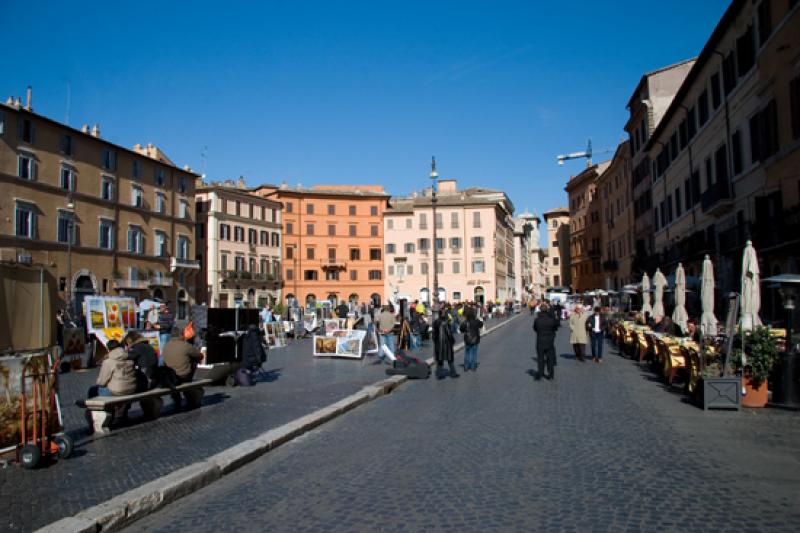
(545, 327)
(596, 327)
(443, 341)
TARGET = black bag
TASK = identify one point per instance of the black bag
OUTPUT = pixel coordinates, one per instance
(407, 365)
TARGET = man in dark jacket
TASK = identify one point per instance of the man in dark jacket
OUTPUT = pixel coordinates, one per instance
(181, 357)
(443, 346)
(545, 327)
(144, 359)
(596, 326)
(471, 328)
(253, 353)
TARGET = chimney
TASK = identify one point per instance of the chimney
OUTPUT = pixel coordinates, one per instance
(18, 103)
(85, 128)
(10, 101)
(96, 131)
(28, 99)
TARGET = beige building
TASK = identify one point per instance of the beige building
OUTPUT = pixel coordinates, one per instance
(528, 282)
(725, 155)
(475, 245)
(647, 105)
(241, 234)
(616, 228)
(584, 240)
(558, 271)
(104, 219)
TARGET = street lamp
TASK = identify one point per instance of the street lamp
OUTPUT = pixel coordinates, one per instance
(294, 268)
(786, 390)
(434, 176)
(70, 230)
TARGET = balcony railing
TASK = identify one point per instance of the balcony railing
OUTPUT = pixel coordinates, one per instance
(717, 198)
(160, 281)
(127, 283)
(243, 275)
(176, 263)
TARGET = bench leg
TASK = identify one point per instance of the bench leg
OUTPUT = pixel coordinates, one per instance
(100, 422)
(194, 397)
(151, 407)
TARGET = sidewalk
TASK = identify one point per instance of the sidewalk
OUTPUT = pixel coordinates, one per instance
(297, 384)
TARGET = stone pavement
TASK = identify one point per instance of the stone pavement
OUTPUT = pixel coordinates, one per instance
(600, 448)
(296, 384)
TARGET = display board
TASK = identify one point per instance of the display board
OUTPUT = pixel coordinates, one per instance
(341, 343)
(109, 312)
(275, 334)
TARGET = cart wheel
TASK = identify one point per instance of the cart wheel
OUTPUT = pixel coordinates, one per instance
(65, 445)
(30, 456)
(230, 381)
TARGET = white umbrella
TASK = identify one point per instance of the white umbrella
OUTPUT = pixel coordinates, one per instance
(679, 315)
(646, 295)
(751, 291)
(659, 282)
(708, 322)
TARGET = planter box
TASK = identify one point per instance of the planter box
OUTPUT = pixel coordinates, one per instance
(722, 393)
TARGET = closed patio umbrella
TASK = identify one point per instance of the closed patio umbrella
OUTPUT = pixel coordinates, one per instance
(646, 295)
(708, 322)
(679, 315)
(659, 282)
(751, 291)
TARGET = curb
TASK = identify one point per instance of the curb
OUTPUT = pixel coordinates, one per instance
(122, 510)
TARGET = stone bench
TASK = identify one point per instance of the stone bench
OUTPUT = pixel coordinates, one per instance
(101, 408)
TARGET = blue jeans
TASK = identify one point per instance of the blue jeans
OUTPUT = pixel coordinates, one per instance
(97, 390)
(416, 341)
(597, 344)
(163, 339)
(470, 356)
(388, 340)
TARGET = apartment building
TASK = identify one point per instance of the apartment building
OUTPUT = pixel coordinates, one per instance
(557, 267)
(725, 155)
(527, 283)
(474, 243)
(647, 105)
(616, 228)
(241, 234)
(333, 241)
(584, 216)
(104, 219)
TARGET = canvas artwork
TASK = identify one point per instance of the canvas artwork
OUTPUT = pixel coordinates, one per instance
(331, 325)
(325, 346)
(310, 321)
(349, 342)
(74, 341)
(274, 334)
(96, 313)
(11, 368)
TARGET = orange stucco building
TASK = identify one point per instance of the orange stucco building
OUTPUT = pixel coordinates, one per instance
(333, 241)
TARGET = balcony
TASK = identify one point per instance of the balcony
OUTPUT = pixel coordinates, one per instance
(244, 278)
(183, 265)
(332, 263)
(160, 281)
(717, 200)
(610, 265)
(130, 284)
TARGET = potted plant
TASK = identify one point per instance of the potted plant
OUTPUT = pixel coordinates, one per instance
(760, 355)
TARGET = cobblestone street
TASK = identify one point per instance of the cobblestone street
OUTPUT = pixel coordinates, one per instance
(603, 447)
(297, 384)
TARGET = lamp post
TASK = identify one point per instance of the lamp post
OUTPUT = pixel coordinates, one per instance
(434, 177)
(294, 268)
(70, 230)
(786, 376)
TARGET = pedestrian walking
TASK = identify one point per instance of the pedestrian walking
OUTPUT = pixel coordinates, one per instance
(443, 346)
(545, 325)
(385, 324)
(471, 328)
(596, 326)
(577, 333)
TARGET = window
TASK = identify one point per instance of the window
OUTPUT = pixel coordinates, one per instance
(309, 229)
(476, 219)
(764, 22)
(275, 239)
(423, 268)
(27, 166)
(289, 274)
(702, 109)
(423, 221)
(424, 244)
(477, 242)
(390, 248)
(290, 252)
(729, 73)
(106, 235)
(224, 232)
(478, 267)
(355, 254)
(289, 207)
(310, 253)
(332, 254)
(374, 275)
(351, 210)
(683, 135)
(409, 223)
(456, 267)
(454, 220)
(673, 146)
(158, 177)
(65, 230)
(252, 236)
(309, 209)
(223, 262)
(135, 240)
(200, 230)
(108, 160)
(331, 230)
(764, 133)
(354, 275)
(136, 171)
(408, 248)
(691, 123)
(332, 275)
(352, 230)
(26, 130)
(238, 263)
(67, 180)
(161, 203)
(709, 173)
(137, 196)
(373, 230)
(736, 151)
(439, 223)
(310, 275)
(555, 224)
(389, 223)
(66, 145)
(289, 228)
(439, 243)
(374, 254)
(390, 270)
(455, 243)
(439, 267)
(264, 266)
(373, 210)
(409, 269)
(160, 244)
(746, 51)
(331, 209)
(401, 270)
(557, 280)
(721, 164)
(238, 234)
(556, 261)
(182, 249)
(182, 184)
(716, 92)
(238, 209)
(696, 187)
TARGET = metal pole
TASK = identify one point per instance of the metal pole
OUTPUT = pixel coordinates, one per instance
(69, 269)
(434, 175)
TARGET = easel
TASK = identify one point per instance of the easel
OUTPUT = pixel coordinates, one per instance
(404, 338)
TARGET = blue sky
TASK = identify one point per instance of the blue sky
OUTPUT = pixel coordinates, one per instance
(353, 92)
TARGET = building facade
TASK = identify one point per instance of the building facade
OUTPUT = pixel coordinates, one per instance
(527, 264)
(584, 215)
(241, 234)
(474, 241)
(557, 267)
(616, 228)
(333, 241)
(104, 219)
(726, 152)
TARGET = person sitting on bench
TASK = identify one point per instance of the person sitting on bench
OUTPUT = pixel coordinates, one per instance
(144, 358)
(117, 375)
(181, 357)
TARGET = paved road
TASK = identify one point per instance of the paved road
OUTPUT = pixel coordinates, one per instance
(298, 384)
(603, 447)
